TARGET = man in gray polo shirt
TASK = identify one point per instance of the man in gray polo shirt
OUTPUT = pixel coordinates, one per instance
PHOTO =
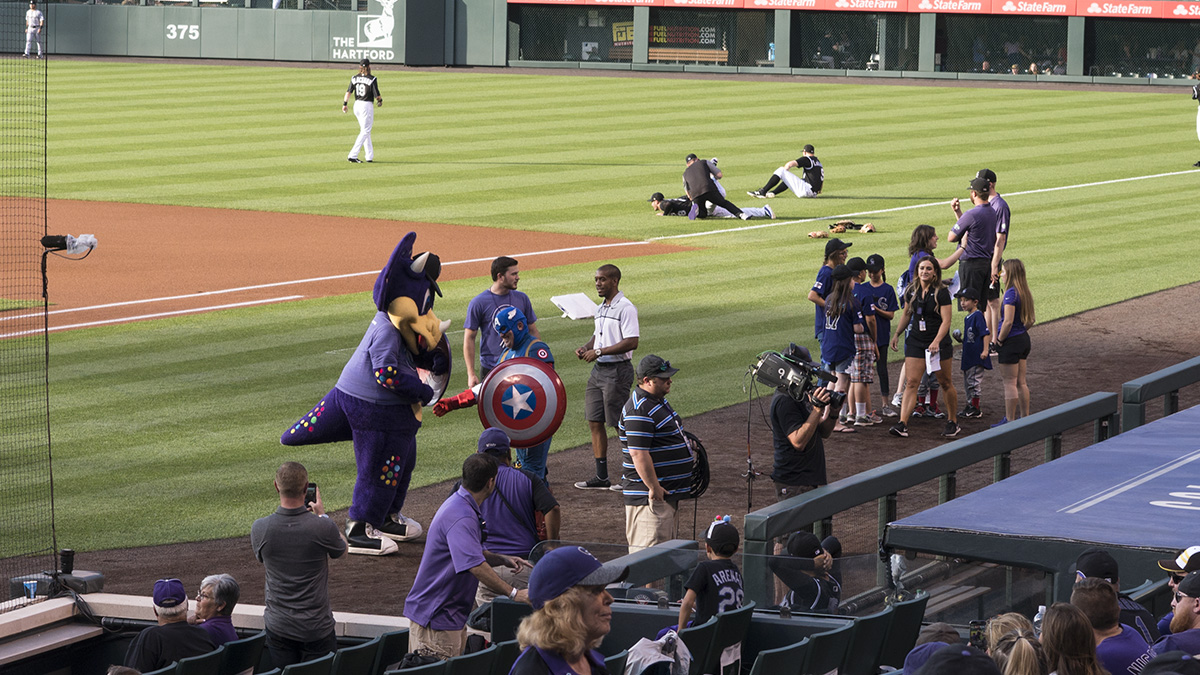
(610, 350)
(295, 544)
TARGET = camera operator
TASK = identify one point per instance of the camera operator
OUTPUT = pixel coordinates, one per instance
(797, 432)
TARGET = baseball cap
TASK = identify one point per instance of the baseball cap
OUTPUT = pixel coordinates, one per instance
(874, 262)
(656, 197)
(1176, 661)
(655, 366)
(939, 631)
(981, 185)
(835, 245)
(494, 441)
(968, 293)
(1190, 586)
(365, 62)
(804, 545)
(169, 593)
(856, 264)
(920, 655)
(722, 536)
(959, 660)
(1096, 563)
(569, 566)
(690, 157)
(987, 174)
(809, 148)
(1186, 561)
(842, 272)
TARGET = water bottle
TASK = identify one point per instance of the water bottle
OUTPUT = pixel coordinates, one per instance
(771, 51)
(1037, 620)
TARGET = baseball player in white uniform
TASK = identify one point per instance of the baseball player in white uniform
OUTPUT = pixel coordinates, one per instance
(808, 186)
(1196, 97)
(365, 89)
(34, 22)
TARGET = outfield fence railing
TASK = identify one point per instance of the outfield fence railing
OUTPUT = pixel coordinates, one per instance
(1166, 383)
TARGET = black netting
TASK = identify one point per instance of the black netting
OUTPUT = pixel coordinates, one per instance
(549, 33)
(1142, 48)
(854, 41)
(1002, 44)
(27, 519)
(723, 38)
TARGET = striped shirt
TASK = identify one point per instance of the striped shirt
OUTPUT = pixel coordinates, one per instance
(651, 425)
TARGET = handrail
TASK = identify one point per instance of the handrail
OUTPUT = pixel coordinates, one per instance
(1135, 394)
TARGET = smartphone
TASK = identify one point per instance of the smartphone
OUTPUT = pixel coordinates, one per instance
(975, 637)
(310, 495)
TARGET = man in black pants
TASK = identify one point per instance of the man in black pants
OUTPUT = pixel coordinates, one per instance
(701, 188)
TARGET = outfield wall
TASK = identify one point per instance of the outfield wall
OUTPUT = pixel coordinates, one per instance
(973, 40)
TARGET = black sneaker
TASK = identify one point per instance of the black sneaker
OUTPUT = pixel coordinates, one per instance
(354, 160)
(971, 411)
(899, 429)
(594, 483)
(951, 430)
(399, 527)
(362, 539)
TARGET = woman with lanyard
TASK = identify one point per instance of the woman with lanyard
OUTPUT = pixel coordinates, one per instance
(572, 614)
(1012, 340)
(927, 314)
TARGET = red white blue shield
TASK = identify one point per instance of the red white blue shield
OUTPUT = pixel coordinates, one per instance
(524, 398)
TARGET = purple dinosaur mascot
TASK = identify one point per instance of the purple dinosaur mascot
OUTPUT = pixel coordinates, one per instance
(377, 400)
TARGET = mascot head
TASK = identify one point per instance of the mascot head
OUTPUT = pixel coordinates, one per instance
(405, 290)
(509, 318)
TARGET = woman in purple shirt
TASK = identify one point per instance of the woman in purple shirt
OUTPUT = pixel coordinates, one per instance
(1012, 340)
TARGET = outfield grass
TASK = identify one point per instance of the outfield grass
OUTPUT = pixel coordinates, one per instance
(177, 421)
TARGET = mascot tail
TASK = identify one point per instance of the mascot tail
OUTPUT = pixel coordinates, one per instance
(325, 423)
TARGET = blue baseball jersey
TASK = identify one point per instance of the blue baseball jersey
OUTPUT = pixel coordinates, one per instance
(837, 342)
(883, 297)
(866, 300)
(974, 328)
(821, 286)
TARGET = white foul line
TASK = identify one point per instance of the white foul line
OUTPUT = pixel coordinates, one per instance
(1131, 483)
(157, 315)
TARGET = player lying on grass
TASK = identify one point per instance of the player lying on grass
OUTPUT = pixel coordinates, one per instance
(681, 205)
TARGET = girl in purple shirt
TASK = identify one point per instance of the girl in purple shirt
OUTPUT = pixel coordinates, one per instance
(1012, 340)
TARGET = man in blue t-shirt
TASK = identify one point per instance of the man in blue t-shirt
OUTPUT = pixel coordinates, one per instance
(482, 309)
(1121, 649)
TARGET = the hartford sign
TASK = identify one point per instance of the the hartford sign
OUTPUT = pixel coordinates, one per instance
(1141, 9)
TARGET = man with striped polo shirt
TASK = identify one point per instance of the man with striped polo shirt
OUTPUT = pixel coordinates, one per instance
(655, 456)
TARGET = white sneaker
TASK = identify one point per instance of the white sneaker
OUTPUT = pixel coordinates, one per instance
(896, 401)
(387, 546)
(411, 529)
(745, 216)
(770, 213)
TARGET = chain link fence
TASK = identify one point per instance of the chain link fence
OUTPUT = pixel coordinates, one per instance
(854, 41)
(550, 33)
(722, 38)
(1142, 48)
(966, 43)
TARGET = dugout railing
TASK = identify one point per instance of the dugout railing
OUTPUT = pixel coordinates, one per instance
(1166, 383)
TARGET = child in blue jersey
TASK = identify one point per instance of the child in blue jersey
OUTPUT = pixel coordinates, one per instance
(862, 368)
(843, 318)
(975, 341)
(883, 301)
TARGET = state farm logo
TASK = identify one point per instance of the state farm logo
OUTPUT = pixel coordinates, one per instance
(1119, 8)
(1034, 7)
(925, 4)
(1008, 7)
(1186, 10)
(841, 3)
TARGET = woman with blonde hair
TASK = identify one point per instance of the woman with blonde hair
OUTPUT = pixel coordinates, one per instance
(1012, 338)
(1069, 642)
(999, 626)
(1018, 652)
(572, 614)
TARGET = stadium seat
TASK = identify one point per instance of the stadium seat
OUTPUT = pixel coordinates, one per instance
(506, 656)
(435, 668)
(165, 670)
(273, 671)
(478, 663)
(506, 615)
(318, 666)
(699, 641)
(392, 647)
(205, 664)
(242, 655)
(731, 629)
(356, 660)
(787, 660)
(827, 650)
(615, 664)
(862, 656)
(906, 625)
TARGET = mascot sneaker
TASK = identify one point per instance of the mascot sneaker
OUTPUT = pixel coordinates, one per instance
(366, 540)
(399, 527)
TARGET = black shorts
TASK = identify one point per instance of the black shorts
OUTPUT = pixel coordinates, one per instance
(976, 273)
(916, 350)
(1014, 350)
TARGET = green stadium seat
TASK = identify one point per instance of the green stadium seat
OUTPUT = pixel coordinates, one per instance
(435, 668)
(205, 664)
(787, 660)
(318, 666)
(731, 630)
(165, 670)
(356, 660)
(506, 656)
(699, 641)
(392, 648)
(827, 650)
(478, 663)
(906, 626)
(242, 655)
(862, 656)
(615, 664)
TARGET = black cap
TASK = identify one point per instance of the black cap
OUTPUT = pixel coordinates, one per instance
(968, 293)
(690, 157)
(842, 272)
(874, 262)
(1190, 586)
(1178, 662)
(959, 660)
(987, 174)
(722, 536)
(1096, 563)
(1188, 560)
(804, 545)
(364, 63)
(656, 197)
(856, 264)
(809, 148)
(835, 245)
(655, 366)
(981, 186)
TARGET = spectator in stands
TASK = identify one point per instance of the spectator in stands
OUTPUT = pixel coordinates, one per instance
(1095, 562)
(959, 660)
(1009, 622)
(214, 607)
(512, 514)
(294, 544)
(1121, 649)
(1172, 663)
(453, 565)
(572, 614)
(1188, 560)
(1019, 652)
(932, 638)
(716, 584)
(1185, 622)
(173, 638)
(1069, 642)
(806, 571)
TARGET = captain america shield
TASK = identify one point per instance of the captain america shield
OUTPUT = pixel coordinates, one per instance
(525, 399)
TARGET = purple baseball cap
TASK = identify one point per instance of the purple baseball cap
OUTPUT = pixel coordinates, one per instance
(569, 566)
(494, 440)
(169, 593)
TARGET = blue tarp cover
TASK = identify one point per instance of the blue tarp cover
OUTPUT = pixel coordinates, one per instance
(1140, 489)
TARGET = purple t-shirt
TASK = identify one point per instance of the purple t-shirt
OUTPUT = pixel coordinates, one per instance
(837, 342)
(525, 493)
(382, 346)
(822, 285)
(1011, 298)
(220, 629)
(444, 589)
(1188, 641)
(1002, 214)
(480, 312)
(1124, 654)
(979, 226)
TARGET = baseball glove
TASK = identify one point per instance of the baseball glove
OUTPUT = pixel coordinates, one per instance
(818, 235)
(868, 227)
(838, 229)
